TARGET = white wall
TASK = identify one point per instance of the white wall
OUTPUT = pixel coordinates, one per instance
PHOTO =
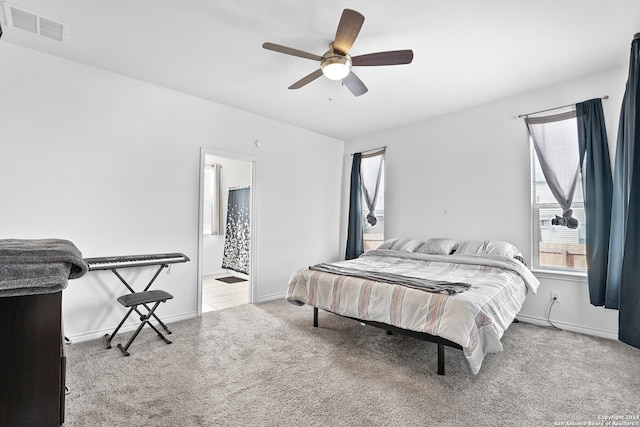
(112, 164)
(234, 173)
(466, 175)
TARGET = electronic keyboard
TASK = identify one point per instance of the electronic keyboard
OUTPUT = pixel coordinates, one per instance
(114, 262)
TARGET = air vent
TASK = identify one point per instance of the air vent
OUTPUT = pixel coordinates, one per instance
(34, 23)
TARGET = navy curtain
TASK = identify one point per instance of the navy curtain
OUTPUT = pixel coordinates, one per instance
(237, 238)
(355, 241)
(627, 170)
(597, 186)
(619, 211)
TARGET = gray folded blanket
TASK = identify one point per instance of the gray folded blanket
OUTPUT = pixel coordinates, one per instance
(420, 283)
(38, 266)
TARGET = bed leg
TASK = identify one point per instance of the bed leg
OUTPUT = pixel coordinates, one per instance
(440, 359)
(315, 317)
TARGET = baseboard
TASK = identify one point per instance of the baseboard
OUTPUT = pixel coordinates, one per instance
(92, 335)
(538, 321)
(271, 297)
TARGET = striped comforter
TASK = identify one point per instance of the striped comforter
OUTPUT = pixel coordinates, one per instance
(475, 318)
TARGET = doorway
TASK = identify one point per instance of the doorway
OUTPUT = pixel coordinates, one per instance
(227, 192)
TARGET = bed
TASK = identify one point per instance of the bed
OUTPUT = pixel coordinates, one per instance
(458, 294)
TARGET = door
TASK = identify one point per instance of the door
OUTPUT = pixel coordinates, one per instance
(221, 284)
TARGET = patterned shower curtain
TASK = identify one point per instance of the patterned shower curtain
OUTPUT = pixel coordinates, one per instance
(237, 236)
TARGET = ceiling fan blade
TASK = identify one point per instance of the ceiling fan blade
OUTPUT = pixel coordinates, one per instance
(394, 57)
(306, 79)
(355, 85)
(290, 51)
(348, 29)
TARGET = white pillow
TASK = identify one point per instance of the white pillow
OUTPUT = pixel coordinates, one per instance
(438, 246)
(489, 247)
(401, 244)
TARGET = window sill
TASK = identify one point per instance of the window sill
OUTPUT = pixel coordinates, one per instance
(576, 276)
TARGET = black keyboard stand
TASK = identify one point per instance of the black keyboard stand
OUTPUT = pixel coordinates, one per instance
(150, 311)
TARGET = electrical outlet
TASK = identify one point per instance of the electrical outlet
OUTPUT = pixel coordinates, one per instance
(555, 295)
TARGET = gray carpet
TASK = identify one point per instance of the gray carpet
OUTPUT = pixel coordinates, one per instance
(265, 365)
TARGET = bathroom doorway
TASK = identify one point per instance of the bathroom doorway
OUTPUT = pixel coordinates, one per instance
(227, 226)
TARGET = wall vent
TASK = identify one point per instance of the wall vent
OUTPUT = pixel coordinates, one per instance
(35, 24)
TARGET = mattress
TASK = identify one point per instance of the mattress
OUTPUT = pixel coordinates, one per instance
(475, 318)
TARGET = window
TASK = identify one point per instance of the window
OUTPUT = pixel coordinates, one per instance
(557, 247)
(373, 236)
(365, 229)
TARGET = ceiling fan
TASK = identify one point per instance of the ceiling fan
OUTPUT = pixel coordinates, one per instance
(336, 62)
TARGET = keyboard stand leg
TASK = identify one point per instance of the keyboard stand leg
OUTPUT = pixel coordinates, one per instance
(160, 334)
(153, 279)
(133, 337)
(160, 322)
(110, 337)
(124, 282)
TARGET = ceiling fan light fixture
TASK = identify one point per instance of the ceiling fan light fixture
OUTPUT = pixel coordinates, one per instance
(336, 67)
(336, 62)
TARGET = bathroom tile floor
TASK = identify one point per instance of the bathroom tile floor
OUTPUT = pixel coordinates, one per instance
(217, 295)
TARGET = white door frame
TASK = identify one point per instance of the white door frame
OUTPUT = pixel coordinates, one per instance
(253, 221)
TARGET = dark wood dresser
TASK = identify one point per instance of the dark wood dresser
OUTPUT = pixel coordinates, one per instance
(32, 361)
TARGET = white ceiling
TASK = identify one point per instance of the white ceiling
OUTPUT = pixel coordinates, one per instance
(466, 52)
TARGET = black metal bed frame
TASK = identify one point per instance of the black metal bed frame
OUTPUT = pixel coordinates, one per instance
(394, 329)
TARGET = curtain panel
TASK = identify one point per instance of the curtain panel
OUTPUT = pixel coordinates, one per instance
(214, 196)
(559, 162)
(370, 173)
(355, 242)
(597, 184)
(366, 170)
(237, 238)
(625, 236)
